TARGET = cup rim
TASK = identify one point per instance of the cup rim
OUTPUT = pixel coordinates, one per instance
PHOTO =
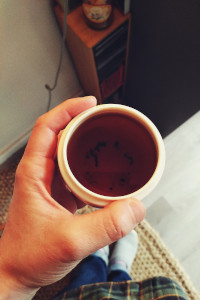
(81, 191)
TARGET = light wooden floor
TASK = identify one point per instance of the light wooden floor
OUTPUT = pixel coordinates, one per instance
(173, 208)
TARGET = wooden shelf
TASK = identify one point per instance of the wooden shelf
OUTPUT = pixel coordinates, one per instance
(90, 37)
(81, 39)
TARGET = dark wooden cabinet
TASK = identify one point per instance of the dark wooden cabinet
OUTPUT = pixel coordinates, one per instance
(100, 56)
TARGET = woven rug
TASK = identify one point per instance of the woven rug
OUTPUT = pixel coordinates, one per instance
(153, 257)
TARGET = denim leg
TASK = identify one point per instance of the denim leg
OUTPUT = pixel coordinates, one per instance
(91, 270)
(118, 276)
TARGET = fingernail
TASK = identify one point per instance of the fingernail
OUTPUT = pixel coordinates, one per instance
(91, 98)
(138, 209)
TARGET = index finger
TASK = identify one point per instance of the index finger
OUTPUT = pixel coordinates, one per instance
(43, 140)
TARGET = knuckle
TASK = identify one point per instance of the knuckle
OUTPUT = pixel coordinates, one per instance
(20, 171)
(24, 174)
(119, 222)
(40, 121)
(71, 248)
(114, 227)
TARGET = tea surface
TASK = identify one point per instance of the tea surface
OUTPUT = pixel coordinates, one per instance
(112, 155)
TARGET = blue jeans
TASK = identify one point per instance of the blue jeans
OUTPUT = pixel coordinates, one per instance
(93, 270)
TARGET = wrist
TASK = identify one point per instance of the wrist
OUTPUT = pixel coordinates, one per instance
(10, 285)
(10, 288)
(7, 293)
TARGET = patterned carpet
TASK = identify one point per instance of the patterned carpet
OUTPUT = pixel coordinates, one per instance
(153, 258)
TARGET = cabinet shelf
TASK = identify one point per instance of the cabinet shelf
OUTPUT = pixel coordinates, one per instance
(98, 54)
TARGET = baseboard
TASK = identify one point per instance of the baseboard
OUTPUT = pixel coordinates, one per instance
(22, 139)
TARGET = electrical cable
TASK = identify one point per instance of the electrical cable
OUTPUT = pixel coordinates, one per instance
(50, 89)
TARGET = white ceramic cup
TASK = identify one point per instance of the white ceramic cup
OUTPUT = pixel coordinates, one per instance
(87, 195)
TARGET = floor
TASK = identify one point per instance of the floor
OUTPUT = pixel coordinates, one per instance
(173, 208)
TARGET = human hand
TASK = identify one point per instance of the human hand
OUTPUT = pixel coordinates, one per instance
(43, 240)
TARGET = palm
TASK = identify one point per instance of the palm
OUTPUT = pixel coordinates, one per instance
(62, 195)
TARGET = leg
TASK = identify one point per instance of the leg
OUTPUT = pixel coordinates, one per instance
(92, 269)
(118, 276)
(122, 258)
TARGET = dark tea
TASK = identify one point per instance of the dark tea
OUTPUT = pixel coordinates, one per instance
(112, 155)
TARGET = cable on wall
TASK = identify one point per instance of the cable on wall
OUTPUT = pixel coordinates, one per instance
(50, 89)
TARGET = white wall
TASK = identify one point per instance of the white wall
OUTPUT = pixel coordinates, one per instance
(29, 52)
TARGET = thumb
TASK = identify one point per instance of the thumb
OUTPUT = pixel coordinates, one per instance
(100, 228)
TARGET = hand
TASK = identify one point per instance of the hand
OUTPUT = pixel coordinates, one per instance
(43, 240)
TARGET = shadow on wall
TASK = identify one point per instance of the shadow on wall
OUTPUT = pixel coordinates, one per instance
(164, 62)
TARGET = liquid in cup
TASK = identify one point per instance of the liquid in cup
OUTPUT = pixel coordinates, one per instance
(111, 152)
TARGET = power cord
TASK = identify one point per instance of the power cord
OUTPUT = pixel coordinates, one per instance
(50, 89)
